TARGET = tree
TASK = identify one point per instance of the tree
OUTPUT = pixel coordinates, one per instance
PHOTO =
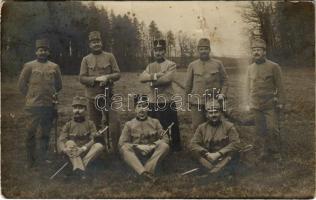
(287, 27)
(259, 14)
(154, 32)
(171, 42)
(187, 47)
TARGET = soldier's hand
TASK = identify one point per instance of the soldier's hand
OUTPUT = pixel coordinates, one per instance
(159, 74)
(220, 96)
(212, 156)
(279, 106)
(145, 149)
(69, 152)
(103, 78)
(247, 108)
(81, 150)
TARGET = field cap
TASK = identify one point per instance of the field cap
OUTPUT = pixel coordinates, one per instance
(160, 44)
(204, 42)
(94, 35)
(42, 43)
(258, 43)
(79, 100)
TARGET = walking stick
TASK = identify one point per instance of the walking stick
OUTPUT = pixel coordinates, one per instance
(167, 130)
(106, 115)
(58, 171)
(278, 113)
(55, 115)
(98, 133)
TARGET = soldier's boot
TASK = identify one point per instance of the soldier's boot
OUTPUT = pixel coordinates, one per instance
(30, 149)
(30, 156)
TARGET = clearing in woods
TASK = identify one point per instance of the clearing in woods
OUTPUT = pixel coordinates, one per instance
(110, 178)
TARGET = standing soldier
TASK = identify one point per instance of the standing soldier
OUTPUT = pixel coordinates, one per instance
(142, 139)
(77, 139)
(203, 75)
(264, 87)
(159, 75)
(39, 81)
(98, 72)
(215, 143)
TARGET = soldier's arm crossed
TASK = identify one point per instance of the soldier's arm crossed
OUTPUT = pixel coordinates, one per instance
(234, 140)
(164, 78)
(146, 76)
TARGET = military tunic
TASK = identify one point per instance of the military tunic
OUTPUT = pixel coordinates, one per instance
(78, 134)
(264, 84)
(162, 87)
(222, 138)
(38, 82)
(93, 66)
(147, 132)
(202, 76)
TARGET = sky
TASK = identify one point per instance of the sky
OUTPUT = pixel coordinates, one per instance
(223, 24)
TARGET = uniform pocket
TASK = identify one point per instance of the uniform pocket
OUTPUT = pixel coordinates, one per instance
(49, 75)
(36, 77)
(198, 76)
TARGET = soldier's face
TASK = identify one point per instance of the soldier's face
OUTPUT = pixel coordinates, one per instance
(141, 111)
(159, 53)
(204, 52)
(79, 110)
(213, 115)
(42, 53)
(258, 53)
(95, 45)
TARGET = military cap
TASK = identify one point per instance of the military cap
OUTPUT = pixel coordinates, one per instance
(160, 44)
(42, 43)
(94, 35)
(258, 43)
(212, 105)
(204, 42)
(140, 99)
(79, 100)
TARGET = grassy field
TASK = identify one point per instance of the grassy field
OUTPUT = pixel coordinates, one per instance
(110, 178)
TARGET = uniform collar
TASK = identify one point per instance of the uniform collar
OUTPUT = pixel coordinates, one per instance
(79, 119)
(141, 120)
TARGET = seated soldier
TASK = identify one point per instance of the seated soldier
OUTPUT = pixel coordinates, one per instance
(142, 139)
(77, 138)
(215, 143)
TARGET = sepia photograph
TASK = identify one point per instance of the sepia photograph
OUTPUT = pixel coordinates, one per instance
(158, 99)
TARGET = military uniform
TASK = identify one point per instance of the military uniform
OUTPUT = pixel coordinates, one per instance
(162, 86)
(38, 82)
(202, 76)
(222, 138)
(76, 134)
(147, 132)
(92, 66)
(264, 86)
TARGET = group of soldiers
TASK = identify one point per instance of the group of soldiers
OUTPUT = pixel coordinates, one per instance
(146, 139)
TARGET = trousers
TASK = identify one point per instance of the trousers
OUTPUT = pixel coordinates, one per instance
(38, 117)
(132, 158)
(267, 132)
(79, 162)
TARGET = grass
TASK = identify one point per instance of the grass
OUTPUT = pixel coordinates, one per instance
(109, 177)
